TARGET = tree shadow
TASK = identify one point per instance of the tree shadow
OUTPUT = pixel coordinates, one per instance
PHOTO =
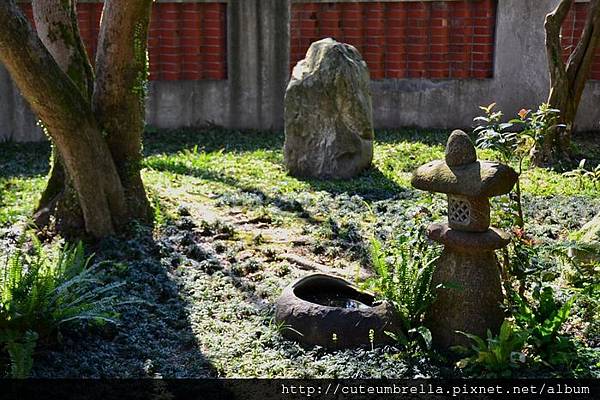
(232, 140)
(282, 203)
(371, 185)
(154, 337)
(24, 159)
(210, 139)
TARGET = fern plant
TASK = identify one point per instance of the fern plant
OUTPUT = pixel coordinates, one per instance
(403, 276)
(40, 293)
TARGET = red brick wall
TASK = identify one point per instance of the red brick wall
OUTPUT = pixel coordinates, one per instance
(187, 41)
(437, 40)
(571, 32)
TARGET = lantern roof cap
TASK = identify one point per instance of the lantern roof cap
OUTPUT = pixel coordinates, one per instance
(461, 174)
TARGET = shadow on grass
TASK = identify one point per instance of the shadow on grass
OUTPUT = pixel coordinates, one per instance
(228, 140)
(24, 159)
(154, 337)
(283, 204)
(209, 140)
(371, 185)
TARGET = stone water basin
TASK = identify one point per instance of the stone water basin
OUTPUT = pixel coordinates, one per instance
(328, 311)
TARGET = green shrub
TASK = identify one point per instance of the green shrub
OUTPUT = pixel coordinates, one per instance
(40, 293)
(543, 319)
(403, 273)
(495, 356)
(515, 140)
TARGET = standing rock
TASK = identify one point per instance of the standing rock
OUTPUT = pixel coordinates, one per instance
(589, 237)
(328, 113)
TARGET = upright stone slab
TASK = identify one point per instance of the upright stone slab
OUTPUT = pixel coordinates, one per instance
(589, 237)
(328, 113)
(468, 261)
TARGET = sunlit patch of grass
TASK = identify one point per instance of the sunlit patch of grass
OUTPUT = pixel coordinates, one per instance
(216, 161)
(23, 169)
(18, 197)
(234, 160)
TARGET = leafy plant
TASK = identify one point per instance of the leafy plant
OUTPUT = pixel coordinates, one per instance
(524, 258)
(542, 320)
(514, 140)
(403, 274)
(496, 355)
(40, 293)
(584, 175)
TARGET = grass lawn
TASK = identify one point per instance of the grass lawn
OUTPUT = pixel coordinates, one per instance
(230, 227)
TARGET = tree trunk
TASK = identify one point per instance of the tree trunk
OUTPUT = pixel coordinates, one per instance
(120, 92)
(57, 28)
(56, 80)
(567, 81)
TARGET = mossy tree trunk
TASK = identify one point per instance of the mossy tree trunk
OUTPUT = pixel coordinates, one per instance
(90, 187)
(57, 28)
(567, 80)
(120, 91)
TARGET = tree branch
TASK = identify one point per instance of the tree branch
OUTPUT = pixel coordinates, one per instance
(580, 62)
(121, 68)
(553, 25)
(58, 28)
(35, 71)
(120, 91)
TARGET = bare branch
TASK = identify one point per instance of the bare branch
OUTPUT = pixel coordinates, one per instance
(580, 62)
(553, 25)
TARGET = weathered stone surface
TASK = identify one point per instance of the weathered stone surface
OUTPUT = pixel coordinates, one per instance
(471, 214)
(328, 113)
(460, 149)
(317, 324)
(468, 242)
(478, 179)
(589, 236)
(590, 232)
(473, 306)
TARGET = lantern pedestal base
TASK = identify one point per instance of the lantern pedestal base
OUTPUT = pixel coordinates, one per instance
(470, 301)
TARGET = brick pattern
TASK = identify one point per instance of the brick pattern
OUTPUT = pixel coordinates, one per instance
(572, 31)
(436, 40)
(186, 41)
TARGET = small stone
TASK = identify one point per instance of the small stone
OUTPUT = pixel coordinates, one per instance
(328, 113)
(460, 149)
(590, 232)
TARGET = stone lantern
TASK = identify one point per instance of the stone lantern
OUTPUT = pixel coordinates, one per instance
(470, 301)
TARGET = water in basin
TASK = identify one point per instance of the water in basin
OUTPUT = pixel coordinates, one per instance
(335, 300)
